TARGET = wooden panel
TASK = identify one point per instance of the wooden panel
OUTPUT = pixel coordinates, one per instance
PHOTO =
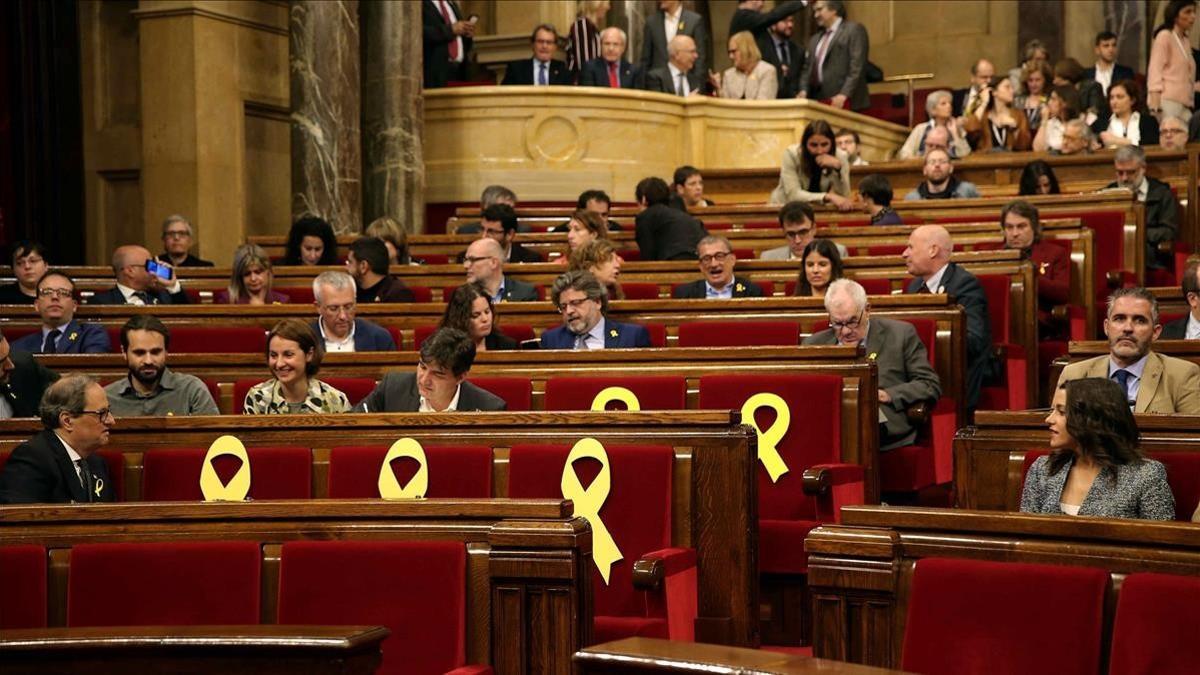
(649, 655)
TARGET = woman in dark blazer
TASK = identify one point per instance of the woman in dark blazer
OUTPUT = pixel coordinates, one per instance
(1096, 468)
(471, 310)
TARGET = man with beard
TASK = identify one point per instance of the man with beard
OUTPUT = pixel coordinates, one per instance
(940, 181)
(583, 303)
(152, 389)
(1152, 382)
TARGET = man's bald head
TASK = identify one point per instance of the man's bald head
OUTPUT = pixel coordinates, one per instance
(129, 266)
(929, 249)
(484, 262)
(682, 52)
(938, 138)
(485, 247)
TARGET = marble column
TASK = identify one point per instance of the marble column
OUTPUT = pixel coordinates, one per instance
(393, 114)
(326, 158)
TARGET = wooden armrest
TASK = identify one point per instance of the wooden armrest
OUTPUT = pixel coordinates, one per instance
(918, 413)
(648, 574)
(1061, 312)
(816, 482)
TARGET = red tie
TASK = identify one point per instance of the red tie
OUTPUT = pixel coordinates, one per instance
(446, 15)
(613, 80)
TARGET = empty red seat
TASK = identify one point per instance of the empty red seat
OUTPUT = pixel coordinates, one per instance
(222, 340)
(971, 616)
(518, 332)
(23, 602)
(517, 392)
(886, 249)
(637, 513)
(1012, 393)
(298, 295)
(355, 388)
(872, 286)
(739, 333)
(652, 392)
(1155, 628)
(417, 590)
(640, 290)
(658, 334)
(114, 461)
(454, 471)
(173, 474)
(164, 584)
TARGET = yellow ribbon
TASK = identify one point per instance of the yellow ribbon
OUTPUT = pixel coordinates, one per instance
(768, 454)
(589, 502)
(611, 394)
(389, 487)
(210, 484)
(99, 486)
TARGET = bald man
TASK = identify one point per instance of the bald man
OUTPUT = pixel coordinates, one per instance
(611, 69)
(927, 258)
(137, 285)
(681, 75)
(484, 262)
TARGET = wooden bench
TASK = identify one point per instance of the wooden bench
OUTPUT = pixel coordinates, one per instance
(647, 655)
(861, 571)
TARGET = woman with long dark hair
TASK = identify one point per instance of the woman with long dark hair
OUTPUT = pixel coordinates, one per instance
(311, 242)
(1096, 467)
(820, 265)
(470, 310)
(1037, 178)
(998, 125)
(814, 170)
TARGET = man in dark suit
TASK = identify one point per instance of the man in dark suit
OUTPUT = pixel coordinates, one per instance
(1187, 327)
(177, 243)
(446, 40)
(716, 264)
(662, 232)
(780, 50)
(368, 262)
(543, 68)
(835, 69)
(928, 259)
(682, 74)
(336, 299)
(22, 382)
(905, 376)
(611, 69)
(484, 263)
(583, 303)
(59, 465)
(61, 333)
(1162, 208)
(964, 100)
(499, 222)
(136, 285)
(1107, 70)
(672, 20)
(439, 383)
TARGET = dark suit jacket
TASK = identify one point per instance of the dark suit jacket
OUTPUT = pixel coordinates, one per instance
(758, 22)
(498, 342)
(26, 384)
(397, 392)
(77, 338)
(10, 294)
(436, 36)
(368, 337)
(390, 289)
(1147, 127)
(616, 336)
(1120, 72)
(968, 292)
(520, 254)
(521, 72)
(516, 290)
(113, 296)
(1175, 330)
(659, 79)
(40, 472)
(654, 40)
(904, 373)
(789, 84)
(189, 261)
(664, 233)
(595, 74)
(845, 66)
(1162, 222)
(742, 288)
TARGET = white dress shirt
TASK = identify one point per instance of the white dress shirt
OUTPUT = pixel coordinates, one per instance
(333, 344)
(714, 294)
(1132, 131)
(675, 74)
(425, 407)
(1193, 328)
(1104, 77)
(933, 282)
(671, 23)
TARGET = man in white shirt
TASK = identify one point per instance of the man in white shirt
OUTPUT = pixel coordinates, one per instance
(1187, 327)
(682, 75)
(1107, 70)
(137, 284)
(335, 294)
(965, 100)
(439, 383)
(670, 21)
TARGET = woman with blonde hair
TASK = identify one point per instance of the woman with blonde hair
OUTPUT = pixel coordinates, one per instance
(250, 281)
(750, 77)
(583, 42)
(394, 238)
(600, 258)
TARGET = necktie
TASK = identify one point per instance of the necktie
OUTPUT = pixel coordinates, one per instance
(50, 346)
(1122, 377)
(680, 86)
(924, 290)
(85, 478)
(784, 59)
(542, 74)
(613, 80)
(820, 57)
(446, 15)
(581, 341)
(144, 297)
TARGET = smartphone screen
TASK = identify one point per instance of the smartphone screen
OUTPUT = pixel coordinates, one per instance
(161, 271)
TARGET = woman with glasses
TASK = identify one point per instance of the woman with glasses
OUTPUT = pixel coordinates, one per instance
(750, 77)
(470, 310)
(820, 265)
(294, 356)
(250, 280)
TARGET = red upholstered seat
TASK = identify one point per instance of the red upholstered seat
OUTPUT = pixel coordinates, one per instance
(114, 461)
(241, 387)
(417, 590)
(652, 392)
(421, 293)
(517, 392)
(435, 258)
(14, 333)
(1183, 476)
(658, 334)
(397, 337)
(216, 340)
(872, 286)
(637, 512)
(640, 291)
(298, 295)
(355, 388)
(516, 331)
(886, 249)
(971, 616)
(1012, 393)
(173, 474)
(1155, 629)
(164, 584)
(23, 602)
(812, 439)
(454, 471)
(739, 333)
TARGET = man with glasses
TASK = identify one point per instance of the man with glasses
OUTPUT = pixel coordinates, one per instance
(499, 222)
(177, 243)
(151, 389)
(335, 294)
(439, 383)
(136, 284)
(22, 382)
(905, 376)
(1076, 139)
(682, 74)
(1162, 208)
(583, 303)
(61, 333)
(1172, 133)
(543, 69)
(597, 202)
(719, 283)
(483, 263)
(799, 224)
(59, 464)
(29, 264)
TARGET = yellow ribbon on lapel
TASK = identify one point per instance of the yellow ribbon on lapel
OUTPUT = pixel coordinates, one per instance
(210, 484)
(589, 502)
(768, 454)
(389, 487)
(611, 394)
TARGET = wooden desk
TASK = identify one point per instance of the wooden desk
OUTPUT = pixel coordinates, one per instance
(1082, 351)
(647, 655)
(194, 650)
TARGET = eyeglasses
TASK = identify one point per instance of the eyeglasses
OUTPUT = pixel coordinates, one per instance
(719, 257)
(61, 293)
(471, 260)
(1171, 132)
(176, 234)
(564, 306)
(797, 234)
(839, 326)
(101, 414)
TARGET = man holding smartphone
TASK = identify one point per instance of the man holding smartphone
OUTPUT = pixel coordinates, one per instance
(141, 281)
(446, 41)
